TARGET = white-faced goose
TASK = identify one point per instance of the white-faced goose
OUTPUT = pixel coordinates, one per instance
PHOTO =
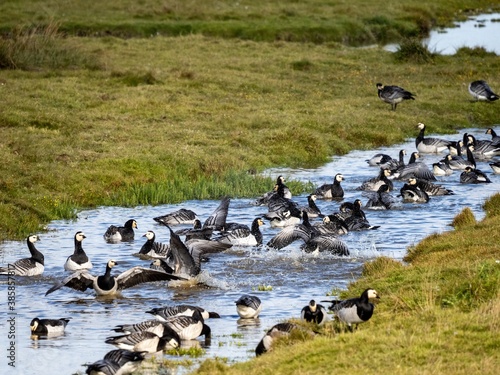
(31, 266)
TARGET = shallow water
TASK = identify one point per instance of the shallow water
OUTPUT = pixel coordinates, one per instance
(295, 278)
(477, 31)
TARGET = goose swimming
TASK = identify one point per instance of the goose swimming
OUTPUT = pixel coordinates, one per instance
(31, 266)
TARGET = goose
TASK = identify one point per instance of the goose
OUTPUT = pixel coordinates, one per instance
(412, 193)
(182, 216)
(332, 224)
(354, 310)
(161, 265)
(279, 203)
(145, 341)
(429, 145)
(285, 218)
(196, 232)
(356, 220)
(331, 191)
(378, 159)
(155, 326)
(381, 199)
(495, 167)
(194, 248)
(248, 306)
(314, 313)
(243, 236)
(458, 162)
(79, 260)
(441, 169)
(280, 181)
(125, 233)
(116, 362)
(264, 199)
(48, 326)
(189, 327)
(483, 149)
(31, 266)
(481, 91)
(106, 285)
(325, 243)
(302, 231)
(394, 164)
(414, 169)
(163, 313)
(275, 332)
(393, 95)
(217, 220)
(432, 189)
(495, 139)
(374, 183)
(473, 176)
(313, 239)
(312, 209)
(153, 249)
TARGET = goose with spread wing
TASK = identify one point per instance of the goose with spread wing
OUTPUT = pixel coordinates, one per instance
(107, 284)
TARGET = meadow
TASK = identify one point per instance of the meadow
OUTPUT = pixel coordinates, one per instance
(142, 103)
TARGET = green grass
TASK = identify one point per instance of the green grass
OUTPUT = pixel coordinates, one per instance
(350, 22)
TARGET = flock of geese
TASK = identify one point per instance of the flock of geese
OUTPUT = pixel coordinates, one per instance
(181, 259)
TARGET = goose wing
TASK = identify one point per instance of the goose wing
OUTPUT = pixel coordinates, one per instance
(326, 243)
(288, 235)
(80, 280)
(206, 246)
(217, 220)
(183, 260)
(417, 170)
(182, 216)
(138, 275)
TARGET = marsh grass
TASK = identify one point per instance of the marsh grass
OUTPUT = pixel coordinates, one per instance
(412, 49)
(41, 47)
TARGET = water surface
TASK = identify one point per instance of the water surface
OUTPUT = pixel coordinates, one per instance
(295, 278)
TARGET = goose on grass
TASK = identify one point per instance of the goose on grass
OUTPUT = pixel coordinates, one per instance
(481, 91)
(314, 313)
(354, 310)
(393, 94)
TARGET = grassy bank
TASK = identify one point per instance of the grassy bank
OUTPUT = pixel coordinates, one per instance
(350, 22)
(438, 314)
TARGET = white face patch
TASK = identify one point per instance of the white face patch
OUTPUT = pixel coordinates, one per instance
(33, 238)
(372, 293)
(149, 235)
(80, 236)
(34, 326)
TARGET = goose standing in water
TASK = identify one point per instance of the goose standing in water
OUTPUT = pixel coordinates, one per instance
(31, 266)
(331, 191)
(145, 341)
(243, 235)
(79, 260)
(248, 307)
(393, 95)
(108, 285)
(429, 145)
(125, 233)
(412, 193)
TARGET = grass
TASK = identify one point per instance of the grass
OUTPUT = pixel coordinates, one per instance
(354, 23)
(439, 313)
